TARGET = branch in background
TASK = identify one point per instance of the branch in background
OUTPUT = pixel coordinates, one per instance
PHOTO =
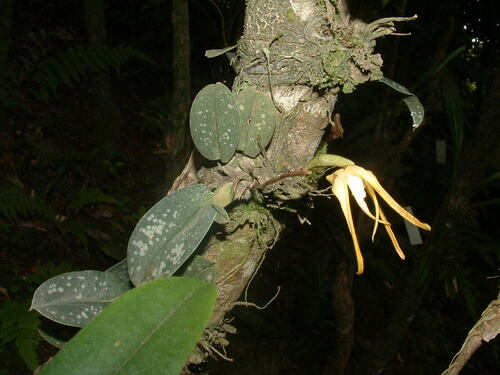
(485, 329)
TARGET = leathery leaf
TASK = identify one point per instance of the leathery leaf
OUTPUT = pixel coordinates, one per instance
(169, 233)
(151, 329)
(75, 298)
(214, 122)
(258, 117)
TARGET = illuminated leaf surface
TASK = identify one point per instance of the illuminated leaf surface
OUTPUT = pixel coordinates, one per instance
(151, 329)
(214, 122)
(120, 271)
(258, 117)
(75, 298)
(169, 233)
(412, 102)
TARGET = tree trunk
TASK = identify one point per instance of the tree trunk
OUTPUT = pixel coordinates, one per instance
(178, 108)
(108, 120)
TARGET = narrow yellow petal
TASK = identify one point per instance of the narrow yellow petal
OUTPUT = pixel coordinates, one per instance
(373, 196)
(392, 236)
(340, 190)
(370, 179)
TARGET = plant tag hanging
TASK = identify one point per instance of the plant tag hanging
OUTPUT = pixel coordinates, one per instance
(413, 232)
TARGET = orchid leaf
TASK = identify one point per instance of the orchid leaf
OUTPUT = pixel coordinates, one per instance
(258, 117)
(168, 233)
(412, 102)
(151, 329)
(215, 122)
(75, 298)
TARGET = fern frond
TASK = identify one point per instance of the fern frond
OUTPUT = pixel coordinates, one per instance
(70, 67)
(88, 196)
(18, 325)
(14, 203)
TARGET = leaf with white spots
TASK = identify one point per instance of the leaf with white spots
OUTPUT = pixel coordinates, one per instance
(412, 102)
(416, 110)
(74, 298)
(200, 268)
(150, 330)
(214, 122)
(258, 117)
(169, 232)
(120, 271)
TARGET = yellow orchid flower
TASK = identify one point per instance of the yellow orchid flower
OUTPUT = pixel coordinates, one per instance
(357, 179)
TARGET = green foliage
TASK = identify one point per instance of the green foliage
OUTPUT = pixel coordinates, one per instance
(215, 122)
(222, 123)
(169, 233)
(15, 203)
(70, 67)
(120, 271)
(75, 298)
(328, 161)
(258, 118)
(87, 196)
(19, 326)
(151, 329)
(51, 340)
(412, 102)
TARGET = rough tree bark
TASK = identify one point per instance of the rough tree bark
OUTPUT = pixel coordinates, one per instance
(302, 54)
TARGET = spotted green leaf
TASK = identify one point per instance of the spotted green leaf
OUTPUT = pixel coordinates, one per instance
(214, 122)
(151, 329)
(169, 233)
(200, 268)
(74, 298)
(412, 102)
(258, 117)
(120, 271)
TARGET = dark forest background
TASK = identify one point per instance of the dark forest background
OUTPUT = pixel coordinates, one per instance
(91, 137)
